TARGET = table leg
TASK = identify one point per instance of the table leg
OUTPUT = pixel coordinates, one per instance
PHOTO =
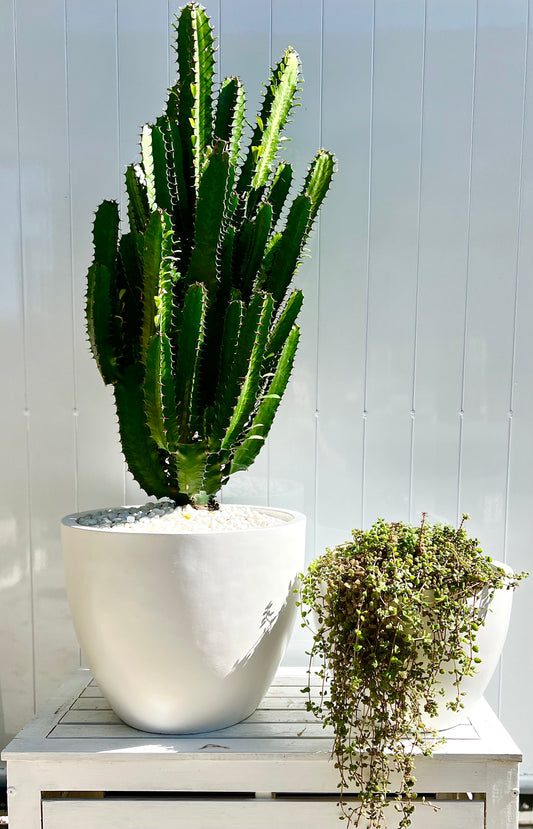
(23, 798)
(502, 796)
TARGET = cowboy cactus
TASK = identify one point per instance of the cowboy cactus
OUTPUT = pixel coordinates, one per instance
(189, 314)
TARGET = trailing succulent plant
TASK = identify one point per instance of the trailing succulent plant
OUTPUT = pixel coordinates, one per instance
(391, 612)
(189, 314)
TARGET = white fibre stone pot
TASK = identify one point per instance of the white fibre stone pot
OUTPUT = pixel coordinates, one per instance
(490, 639)
(183, 632)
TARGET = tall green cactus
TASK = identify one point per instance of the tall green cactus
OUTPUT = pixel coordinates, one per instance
(187, 313)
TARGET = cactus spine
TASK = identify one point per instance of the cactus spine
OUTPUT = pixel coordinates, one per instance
(187, 313)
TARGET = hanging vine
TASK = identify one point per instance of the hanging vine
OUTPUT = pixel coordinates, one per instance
(392, 612)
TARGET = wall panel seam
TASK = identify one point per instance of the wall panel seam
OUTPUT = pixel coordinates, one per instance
(24, 300)
(467, 273)
(516, 284)
(73, 323)
(319, 280)
(417, 278)
(119, 181)
(368, 266)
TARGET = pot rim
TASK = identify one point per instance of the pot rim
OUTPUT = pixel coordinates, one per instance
(509, 572)
(291, 518)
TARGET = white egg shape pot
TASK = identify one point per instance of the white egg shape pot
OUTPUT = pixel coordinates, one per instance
(490, 639)
(183, 632)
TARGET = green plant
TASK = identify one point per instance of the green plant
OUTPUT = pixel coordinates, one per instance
(393, 610)
(187, 313)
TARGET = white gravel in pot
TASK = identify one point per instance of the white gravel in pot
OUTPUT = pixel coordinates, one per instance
(164, 517)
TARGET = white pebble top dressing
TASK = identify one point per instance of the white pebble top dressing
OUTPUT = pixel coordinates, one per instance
(163, 517)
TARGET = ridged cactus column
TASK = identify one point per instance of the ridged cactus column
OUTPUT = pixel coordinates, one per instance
(190, 313)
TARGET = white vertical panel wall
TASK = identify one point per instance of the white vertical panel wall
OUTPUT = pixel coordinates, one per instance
(413, 387)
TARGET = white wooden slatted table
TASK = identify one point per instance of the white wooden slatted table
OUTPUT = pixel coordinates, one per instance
(77, 766)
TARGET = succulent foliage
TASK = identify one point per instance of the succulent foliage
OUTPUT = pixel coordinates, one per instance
(393, 610)
(190, 314)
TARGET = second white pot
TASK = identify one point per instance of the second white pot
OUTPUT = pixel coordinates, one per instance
(183, 632)
(490, 639)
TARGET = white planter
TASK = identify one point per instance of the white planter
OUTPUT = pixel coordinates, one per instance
(490, 640)
(183, 632)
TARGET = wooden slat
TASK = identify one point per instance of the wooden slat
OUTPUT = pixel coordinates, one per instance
(91, 691)
(78, 716)
(267, 704)
(90, 703)
(286, 676)
(254, 814)
(245, 730)
(282, 687)
(289, 691)
(112, 728)
(89, 716)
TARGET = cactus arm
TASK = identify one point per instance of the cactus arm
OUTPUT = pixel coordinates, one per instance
(129, 287)
(102, 307)
(153, 405)
(275, 110)
(241, 245)
(185, 99)
(263, 306)
(235, 353)
(253, 256)
(169, 181)
(209, 218)
(190, 343)
(191, 461)
(180, 170)
(138, 207)
(148, 165)
(230, 338)
(279, 267)
(154, 157)
(168, 394)
(318, 181)
(152, 255)
(279, 190)
(160, 394)
(160, 276)
(185, 200)
(105, 235)
(195, 52)
(229, 117)
(131, 264)
(281, 107)
(255, 438)
(127, 320)
(283, 255)
(227, 98)
(215, 465)
(226, 259)
(222, 333)
(168, 279)
(99, 315)
(141, 453)
(284, 324)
